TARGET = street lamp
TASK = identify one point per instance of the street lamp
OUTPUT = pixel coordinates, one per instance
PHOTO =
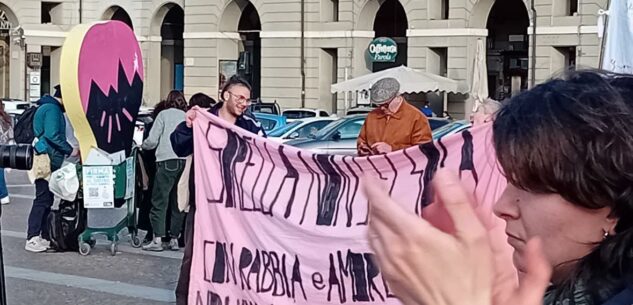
(18, 36)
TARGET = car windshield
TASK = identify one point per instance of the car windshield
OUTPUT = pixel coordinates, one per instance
(298, 114)
(278, 132)
(448, 127)
(327, 129)
(435, 123)
(267, 124)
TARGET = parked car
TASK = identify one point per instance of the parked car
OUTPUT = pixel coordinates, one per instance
(360, 110)
(270, 121)
(451, 128)
(15, 106)
(263, 107)
(337, 138)
(299, 129)
(436, 123)
(302, 113)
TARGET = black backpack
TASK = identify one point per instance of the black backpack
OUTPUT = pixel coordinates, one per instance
(23, 130)
(65, 225)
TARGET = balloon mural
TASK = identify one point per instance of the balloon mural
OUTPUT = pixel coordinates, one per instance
(102, 84)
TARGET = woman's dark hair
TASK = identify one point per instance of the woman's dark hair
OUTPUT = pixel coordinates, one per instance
(201, 100)
(235, 80)
(158, 108)
(175, 99)
(573, 136)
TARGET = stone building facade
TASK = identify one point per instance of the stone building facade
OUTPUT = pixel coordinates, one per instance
(194, 45)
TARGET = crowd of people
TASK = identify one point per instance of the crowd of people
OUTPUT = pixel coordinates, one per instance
(563, 146)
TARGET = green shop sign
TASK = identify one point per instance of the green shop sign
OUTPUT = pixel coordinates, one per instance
(383, 49)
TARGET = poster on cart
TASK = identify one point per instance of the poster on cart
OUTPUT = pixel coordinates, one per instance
(98, 187)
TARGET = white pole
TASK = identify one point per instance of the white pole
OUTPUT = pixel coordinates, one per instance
(445, 104)
(346, 93)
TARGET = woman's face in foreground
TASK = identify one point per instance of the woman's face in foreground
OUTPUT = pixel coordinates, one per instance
(568, 232)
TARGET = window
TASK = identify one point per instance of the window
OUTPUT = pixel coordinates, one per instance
(351, 130)
(439, 61)
(444, 9)
(572, 7)
(438, 9)
(298, 114)
(329, 10)
(323, 113)
(278, 132)
(334, 10)
(51, 12)
(565, 58)
(310, 130)
(565, 7)
(328, 75)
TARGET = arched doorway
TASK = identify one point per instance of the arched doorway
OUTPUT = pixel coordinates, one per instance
(249, 63)
(8, 22)
(391, 21)
(118, 13)
(507, 49)
(172, 50)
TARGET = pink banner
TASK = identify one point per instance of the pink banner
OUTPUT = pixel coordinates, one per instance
(277, 225)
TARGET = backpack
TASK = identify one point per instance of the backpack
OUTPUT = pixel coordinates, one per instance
(66, 224)
(23, 130)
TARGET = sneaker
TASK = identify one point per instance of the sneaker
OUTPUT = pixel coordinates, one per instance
(173, 244)
(44, 242)
(147, 241)
(5, 200)
(154, 246)
(33, 245)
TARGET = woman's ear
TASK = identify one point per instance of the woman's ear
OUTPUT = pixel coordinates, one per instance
(611, 223)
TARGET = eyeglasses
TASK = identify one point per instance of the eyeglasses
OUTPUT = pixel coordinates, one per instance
(240, 99)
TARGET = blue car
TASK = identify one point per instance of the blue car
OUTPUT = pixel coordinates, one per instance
(451, 128)
(270, 121)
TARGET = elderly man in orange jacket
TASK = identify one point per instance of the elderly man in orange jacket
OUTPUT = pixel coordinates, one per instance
(394, 125)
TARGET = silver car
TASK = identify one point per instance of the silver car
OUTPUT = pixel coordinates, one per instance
(337, 138)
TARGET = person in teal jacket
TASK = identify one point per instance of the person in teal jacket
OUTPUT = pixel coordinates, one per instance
(49, 125)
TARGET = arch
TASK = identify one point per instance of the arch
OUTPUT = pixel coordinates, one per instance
(9, 21)
(508, 49)
(481, 11)
(368, 13)
(159, 16)
(391, 10)
(232, 15)
(391, 21)
(116, 12)
(10, 16)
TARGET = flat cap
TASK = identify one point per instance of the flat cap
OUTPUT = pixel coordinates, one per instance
(384, 90)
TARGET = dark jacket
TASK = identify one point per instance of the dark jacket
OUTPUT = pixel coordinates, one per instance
(608, 295)
(182, 144)
(182, 137)
(49, 125)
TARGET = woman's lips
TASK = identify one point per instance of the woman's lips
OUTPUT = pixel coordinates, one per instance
(515, 241)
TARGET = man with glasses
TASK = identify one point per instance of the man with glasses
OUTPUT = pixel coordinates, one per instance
(236, 99)
(394, 124)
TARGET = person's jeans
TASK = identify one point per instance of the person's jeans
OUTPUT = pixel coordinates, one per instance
(39, 212)
(4, 192)
(164, 197)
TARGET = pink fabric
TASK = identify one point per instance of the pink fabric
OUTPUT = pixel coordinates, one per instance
(276, 225)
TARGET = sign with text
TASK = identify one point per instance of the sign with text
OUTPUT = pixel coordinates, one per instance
(277, 225)
(383, 49)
